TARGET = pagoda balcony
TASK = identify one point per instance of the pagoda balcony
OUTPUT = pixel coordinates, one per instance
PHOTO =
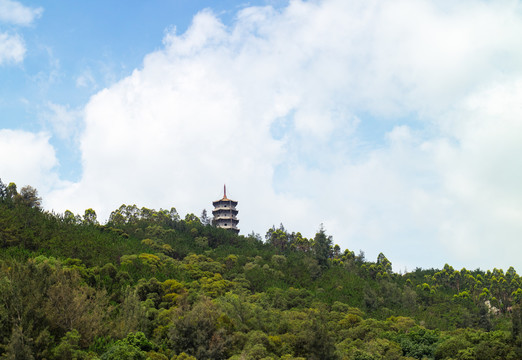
(233, 227)
(224, 207)
(226, 218)
(224, 213)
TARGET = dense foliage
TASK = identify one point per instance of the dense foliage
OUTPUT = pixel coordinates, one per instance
(149, 285)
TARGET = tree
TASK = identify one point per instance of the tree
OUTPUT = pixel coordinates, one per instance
(278, 238)
(337, 251)
(173, 215)
(70, 218)
(68, 348)
(73, 306)
(19, 346)
(3, 190)
(360, 258)
(197, 333)
(183, 356)
(10, 192)
(452, 346)
(384, 264)
(124, 351)
(132, 315)
(90, 217)
(322, 247)
(299, 242)
(314, 341)
(192, 219)
(29, 197)
(205, 220)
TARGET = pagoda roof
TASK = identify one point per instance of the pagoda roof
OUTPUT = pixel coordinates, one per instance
(225, 199)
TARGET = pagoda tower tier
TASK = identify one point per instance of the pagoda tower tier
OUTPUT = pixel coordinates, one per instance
(225, 213)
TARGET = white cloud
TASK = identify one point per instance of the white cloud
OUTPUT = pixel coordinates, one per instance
(15, 13)
(481, 171)
(12, 48)
(28, 159)
(398, 127)
(65, 122)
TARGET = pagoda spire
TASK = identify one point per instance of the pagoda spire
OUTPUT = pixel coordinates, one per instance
(224, 191)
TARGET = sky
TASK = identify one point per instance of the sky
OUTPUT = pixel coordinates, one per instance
(395, 124)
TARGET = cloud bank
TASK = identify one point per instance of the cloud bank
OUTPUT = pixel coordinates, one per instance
(28, 159)
(397, 125)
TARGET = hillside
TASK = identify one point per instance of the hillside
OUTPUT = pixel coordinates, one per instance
(150, 285)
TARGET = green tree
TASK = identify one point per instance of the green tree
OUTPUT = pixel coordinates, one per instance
(314, 340)
(384, 264)
(11, 191)
(192, 219)
(29, 197)
(19, 347)
(90, 217)
(322, 247)
(70, 218)
(134, 347)
(73, 306)
(197, 331)
(68, 349)
(278, 238)
(300, 243)
(453, 347)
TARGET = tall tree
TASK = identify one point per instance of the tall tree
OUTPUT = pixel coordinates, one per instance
(384, 264)
(205, 220)
(11, 192)
(278, 238)
(322, 247)
(3, 190)
(29, 197)
(90, 217)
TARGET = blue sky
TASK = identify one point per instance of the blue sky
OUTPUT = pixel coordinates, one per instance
(76, 48)
(396, 125)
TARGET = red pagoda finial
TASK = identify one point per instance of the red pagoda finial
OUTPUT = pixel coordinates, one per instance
(225, 191)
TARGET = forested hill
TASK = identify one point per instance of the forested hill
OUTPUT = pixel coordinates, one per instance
(149, 285)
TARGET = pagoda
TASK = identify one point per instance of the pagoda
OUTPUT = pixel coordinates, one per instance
(225, 213)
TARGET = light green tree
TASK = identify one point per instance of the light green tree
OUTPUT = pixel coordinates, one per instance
(90, 217)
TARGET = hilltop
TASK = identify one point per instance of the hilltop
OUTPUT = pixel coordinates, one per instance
(150, 285)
